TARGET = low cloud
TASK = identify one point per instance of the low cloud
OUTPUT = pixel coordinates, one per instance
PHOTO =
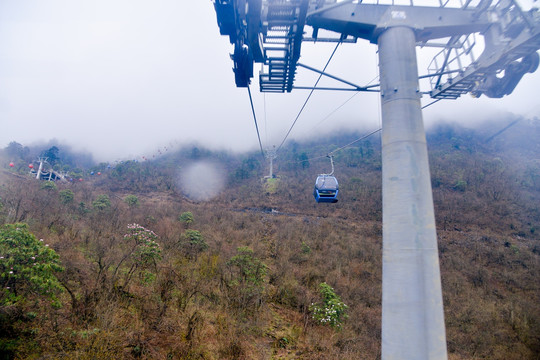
(201, 181)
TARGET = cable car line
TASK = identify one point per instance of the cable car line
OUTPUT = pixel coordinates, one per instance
(336, 150)
(336, 109)
(346, 101)
(355, 141)
(255, 119)
(265, 123)
(309, 96)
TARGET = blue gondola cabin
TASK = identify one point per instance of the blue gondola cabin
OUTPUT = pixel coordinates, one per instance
(326, 189)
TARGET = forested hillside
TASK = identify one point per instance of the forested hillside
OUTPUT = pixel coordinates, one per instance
(193, 255)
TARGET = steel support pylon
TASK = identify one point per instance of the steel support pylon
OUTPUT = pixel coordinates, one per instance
(412, 309)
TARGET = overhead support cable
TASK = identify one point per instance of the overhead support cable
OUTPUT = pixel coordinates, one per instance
(330, 154)
(502, 130)
(255, 119)
(336, 109)
(265, 124)
(354, 142)
(346, 101)
(309, 96)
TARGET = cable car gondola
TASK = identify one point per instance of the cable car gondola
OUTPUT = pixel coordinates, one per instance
(326, 187)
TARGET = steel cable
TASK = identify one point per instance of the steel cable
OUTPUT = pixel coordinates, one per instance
(309, 96)
(255, 119)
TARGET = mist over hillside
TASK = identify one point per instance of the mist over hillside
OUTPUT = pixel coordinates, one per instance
(193, 254)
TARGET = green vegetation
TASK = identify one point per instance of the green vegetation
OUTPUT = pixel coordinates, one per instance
(102, 202)
(132, 201)
(332, 311)
(51, 154)
(186, 218)
(247, 279)
(271, 185)
(66, 196)
(194, 242)
(143, 272)
(27, 266)
(48, 185)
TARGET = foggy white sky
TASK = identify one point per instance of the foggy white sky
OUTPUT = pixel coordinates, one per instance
(124, 78)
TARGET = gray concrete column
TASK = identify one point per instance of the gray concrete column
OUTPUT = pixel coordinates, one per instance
(412, 309)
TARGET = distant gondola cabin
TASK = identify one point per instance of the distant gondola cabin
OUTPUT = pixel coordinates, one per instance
(326, 189)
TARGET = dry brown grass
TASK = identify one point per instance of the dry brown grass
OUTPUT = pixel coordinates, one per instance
(489, 253)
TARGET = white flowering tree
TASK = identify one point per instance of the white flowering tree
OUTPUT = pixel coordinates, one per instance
(145, 250)
(332, 311)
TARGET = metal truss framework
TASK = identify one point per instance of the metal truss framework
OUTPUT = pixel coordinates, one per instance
(271, 32)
